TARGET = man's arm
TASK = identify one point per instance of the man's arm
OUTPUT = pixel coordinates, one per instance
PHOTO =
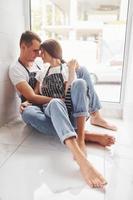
(37, 86)
(25, 89)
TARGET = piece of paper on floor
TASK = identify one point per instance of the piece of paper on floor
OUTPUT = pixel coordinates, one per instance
(62, 173)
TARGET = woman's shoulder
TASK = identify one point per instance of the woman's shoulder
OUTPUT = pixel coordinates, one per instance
(42, 72)
(64, 67)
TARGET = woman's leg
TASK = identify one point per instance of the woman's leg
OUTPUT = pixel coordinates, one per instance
(80, 103)
(57, 112)
(80, 109)
(94, 102)
(81, 133)
(90, 174)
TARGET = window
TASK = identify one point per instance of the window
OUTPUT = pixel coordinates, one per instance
(93, 32)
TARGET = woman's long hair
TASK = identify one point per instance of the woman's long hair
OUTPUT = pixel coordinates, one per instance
(53, 48)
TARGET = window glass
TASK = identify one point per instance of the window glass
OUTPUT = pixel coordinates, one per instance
(92, 31)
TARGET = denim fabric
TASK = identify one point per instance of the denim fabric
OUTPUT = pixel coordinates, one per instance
(33, 115)
(79, 98)
(94, 103)
(54, 119)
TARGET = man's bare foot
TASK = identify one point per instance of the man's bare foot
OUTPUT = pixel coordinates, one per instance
(91, 175)
(97, 120)
(104, 139)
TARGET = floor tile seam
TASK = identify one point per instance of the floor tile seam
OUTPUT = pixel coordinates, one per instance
(14, 151)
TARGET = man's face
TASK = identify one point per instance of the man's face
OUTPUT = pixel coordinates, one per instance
(32, 51)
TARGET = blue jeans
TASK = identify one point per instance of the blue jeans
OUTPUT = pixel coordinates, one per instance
(54, 119)
(94, 103)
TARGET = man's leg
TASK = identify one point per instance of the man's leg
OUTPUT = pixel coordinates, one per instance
(97, 120)
(33, 116)
(57, 112)
(102, 139)
(94, 103)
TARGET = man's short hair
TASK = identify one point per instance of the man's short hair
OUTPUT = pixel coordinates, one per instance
(28, 36)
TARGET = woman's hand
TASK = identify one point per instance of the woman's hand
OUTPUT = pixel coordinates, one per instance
(73, 64)
(23, 106)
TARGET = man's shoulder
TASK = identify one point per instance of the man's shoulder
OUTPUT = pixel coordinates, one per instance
(16, 68)
(17, 73)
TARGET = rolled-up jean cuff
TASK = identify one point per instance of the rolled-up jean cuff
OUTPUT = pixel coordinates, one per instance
(94, 110)
(81, 114)
(68, 135)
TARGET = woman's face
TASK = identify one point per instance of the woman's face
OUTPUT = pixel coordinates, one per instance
(45, 56)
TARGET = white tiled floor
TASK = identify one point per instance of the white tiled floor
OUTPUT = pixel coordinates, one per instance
(37, 167)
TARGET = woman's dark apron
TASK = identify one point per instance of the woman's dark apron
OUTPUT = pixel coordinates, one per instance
(53, 86)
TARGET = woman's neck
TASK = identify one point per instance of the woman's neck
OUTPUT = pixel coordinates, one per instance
(55, 62)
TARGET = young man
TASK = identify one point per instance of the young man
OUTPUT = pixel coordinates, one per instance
(22, 76)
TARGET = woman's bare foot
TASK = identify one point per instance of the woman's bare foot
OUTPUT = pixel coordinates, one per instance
(104, 140)
(91, 175)
(82, 146)
(97, 120)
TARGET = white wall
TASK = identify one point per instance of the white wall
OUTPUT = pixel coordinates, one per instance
(11, 27)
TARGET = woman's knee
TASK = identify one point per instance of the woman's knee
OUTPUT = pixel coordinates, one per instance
(79, 85)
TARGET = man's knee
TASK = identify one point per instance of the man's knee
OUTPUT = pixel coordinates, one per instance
(54, 105)
(27, 114)
(55, 102)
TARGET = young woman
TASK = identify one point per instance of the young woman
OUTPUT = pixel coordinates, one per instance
(55, 82)
(71, 83)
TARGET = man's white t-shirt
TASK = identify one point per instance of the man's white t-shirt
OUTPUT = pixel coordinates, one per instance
(18, 73)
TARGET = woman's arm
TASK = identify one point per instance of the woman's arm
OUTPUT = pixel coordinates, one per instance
(72, 65)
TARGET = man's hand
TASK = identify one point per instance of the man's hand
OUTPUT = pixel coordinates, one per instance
(23, 106)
